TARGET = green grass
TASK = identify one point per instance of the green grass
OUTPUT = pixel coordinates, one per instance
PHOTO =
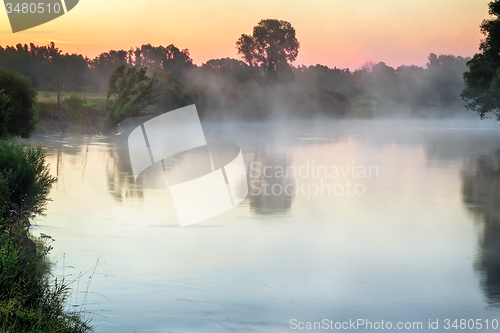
(52, 95)
(29, 300)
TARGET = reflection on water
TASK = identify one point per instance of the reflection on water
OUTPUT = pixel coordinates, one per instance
(75, 150)
(481, 190)
(403, 251)
(119, 176)
(262, 166)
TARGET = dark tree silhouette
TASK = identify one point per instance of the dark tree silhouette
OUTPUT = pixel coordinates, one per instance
(272, 48)
(482, 91)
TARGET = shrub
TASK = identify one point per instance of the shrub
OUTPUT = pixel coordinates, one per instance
(29, 300)
(5, 111)
(4, 198)
(76, 108)
(26, 177)
(45, 109)
(22, 116)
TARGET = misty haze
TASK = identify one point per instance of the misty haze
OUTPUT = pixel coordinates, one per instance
(358, 197)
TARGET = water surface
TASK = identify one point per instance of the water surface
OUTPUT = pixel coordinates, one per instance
(422, 241)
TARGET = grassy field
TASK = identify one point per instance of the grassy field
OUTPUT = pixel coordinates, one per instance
(52, 95)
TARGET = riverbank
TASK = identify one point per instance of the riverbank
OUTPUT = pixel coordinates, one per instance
(31, 300)
(85, 112)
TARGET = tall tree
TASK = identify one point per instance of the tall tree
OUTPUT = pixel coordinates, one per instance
(272, 47)
(482, 81)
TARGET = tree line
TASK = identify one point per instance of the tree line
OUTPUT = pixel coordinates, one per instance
(438, 83)
(264, 81)
(48, 65)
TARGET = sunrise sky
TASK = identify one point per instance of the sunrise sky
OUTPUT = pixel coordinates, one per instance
(341, 33)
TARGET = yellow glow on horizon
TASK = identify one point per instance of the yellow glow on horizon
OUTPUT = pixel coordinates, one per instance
(339, 33)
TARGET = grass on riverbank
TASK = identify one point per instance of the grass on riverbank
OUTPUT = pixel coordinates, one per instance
(29, 300)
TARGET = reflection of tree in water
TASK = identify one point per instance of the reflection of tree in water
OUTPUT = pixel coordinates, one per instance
(260, 203)
(481, 194)
(120, 180)
(59, 146)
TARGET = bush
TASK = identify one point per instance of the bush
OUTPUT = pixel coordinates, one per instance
(4, 198)
(22, 117)
(45, 109)
(26, 177)
(5, 111)
(76, 108)
(29, 300)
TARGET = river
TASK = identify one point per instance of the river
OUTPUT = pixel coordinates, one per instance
(413, 238)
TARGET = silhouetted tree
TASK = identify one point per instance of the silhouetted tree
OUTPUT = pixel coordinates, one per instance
(170, 58)
(44, 65)
(482, 91)
(272, 48)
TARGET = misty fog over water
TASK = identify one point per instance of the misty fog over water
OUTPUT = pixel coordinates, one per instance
(420, 243)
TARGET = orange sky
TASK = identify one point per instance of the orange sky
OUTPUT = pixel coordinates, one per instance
(342, 33)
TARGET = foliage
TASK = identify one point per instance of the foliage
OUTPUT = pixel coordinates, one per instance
(168, 59)
(130, 92)
(45, 65)
(440, 83)
(5, 111)
(272, 48)
(29, 302)
(309, 103)
(76, 112)
(45, 109)
(227, 69)
(19, 111)
(174, 94)
(225, 86)
(4, 198)
(482, 91)
(75, 106)
(26, 177)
